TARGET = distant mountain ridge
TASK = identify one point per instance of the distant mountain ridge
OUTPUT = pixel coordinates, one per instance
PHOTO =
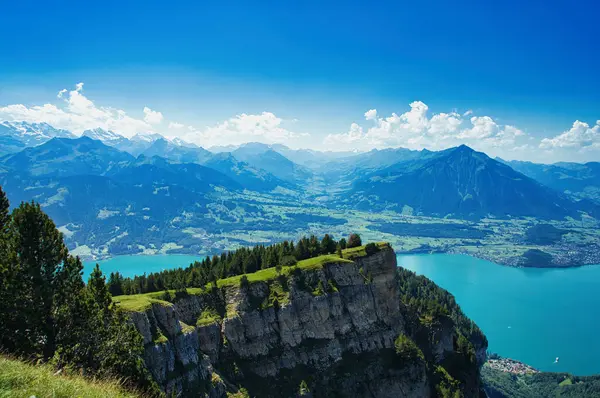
(461, 182)
(264, 157)
(29, 134)
(576, 179)
(458, 181)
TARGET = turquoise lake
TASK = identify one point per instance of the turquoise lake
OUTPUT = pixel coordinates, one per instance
(138, 265)
(532, 315)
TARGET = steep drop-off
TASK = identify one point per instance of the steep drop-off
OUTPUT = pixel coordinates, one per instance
(327, 330)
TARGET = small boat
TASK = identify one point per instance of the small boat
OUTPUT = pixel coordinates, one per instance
(556, 360)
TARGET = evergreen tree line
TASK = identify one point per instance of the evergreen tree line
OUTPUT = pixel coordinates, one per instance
(49, 314)
(238, 262)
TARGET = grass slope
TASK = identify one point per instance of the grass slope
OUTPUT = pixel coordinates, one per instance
(18, 379)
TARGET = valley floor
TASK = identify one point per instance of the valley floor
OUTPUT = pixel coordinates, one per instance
(251, 218)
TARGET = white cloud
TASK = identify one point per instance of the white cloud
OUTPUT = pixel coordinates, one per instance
(79, 114)
(444, 123)
(152, 117)
(175, 125)
(345, 141)
(414, 129)
(580, 136)
(264, 127)
(483, 127)
(371, 114)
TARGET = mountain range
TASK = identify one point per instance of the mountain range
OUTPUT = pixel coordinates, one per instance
(172, 191)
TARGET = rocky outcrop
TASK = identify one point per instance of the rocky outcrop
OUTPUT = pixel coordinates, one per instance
(331, 327)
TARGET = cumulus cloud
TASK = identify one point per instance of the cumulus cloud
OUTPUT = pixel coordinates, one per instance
(579, 136)
(414, 129)
(371, 114)
(152, 117)
(78, 113)
(264, 127)
(175, 125)
(483, 127)
(346, 139)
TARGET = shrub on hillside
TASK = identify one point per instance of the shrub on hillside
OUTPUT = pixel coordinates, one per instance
(244, 282)
(354, 241)
(289, 261)
(406, 348)
(371, 248)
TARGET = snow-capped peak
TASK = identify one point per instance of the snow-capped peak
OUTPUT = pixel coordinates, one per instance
(32, 134)
(147, 137)
(103, 135)
(180, 142)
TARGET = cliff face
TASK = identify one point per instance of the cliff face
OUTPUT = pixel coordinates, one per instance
(332, 327)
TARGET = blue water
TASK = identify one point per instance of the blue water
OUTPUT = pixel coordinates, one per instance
(138, 265)
(532, 315)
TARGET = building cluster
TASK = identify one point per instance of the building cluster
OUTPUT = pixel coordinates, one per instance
(510, 366)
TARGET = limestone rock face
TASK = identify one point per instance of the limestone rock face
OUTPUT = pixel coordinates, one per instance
(340, 336)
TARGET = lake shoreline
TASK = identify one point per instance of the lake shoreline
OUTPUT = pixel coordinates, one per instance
(498, 260)
(454, 250)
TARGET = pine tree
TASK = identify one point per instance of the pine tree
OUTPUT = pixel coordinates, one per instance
(4, 214)
(8, 287)
(354, 241)
(115, 284)
(97, 287)
(41, 252)
(327, 245)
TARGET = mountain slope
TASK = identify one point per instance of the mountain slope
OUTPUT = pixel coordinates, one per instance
(346, 170)
(310, 158)
(64, 157)
(462, 182)
(29, 134)
(180, 154)
(579, 180)
(263, 157)
(157, 171)
(246, 175)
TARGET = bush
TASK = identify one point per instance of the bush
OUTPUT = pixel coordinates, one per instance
(371, 248)
(407, 349)
(303, 389)
(167, 296)
(289, 261)
(181, 293)
(354, 241)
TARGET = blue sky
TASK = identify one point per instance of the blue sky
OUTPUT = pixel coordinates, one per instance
(303, 72)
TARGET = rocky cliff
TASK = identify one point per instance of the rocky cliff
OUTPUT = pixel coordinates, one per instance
(326, 330)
